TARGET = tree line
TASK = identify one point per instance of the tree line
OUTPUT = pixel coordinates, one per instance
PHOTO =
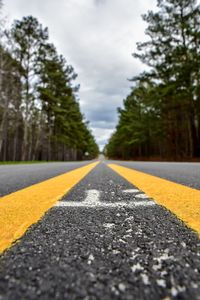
(40, 117)
(160, 117)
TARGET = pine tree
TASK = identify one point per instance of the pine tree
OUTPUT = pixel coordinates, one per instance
(40, 116)
(161, 116)
(173, 57)
(29, 37)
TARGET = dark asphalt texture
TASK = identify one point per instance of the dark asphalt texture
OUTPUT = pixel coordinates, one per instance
(17, 177)
(89, 253)
(183, 172)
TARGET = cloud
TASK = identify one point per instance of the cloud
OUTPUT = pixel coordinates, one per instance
(102, 135)
(99, 2)
(97, 37)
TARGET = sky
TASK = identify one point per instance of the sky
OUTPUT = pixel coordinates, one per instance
(97, 37)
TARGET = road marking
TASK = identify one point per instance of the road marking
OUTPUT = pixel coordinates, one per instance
(144, 203)
(93, 197)
(131, 191)
(141, 196)
(19, 210)
(103, 204)
(179, 199)
(93, 200)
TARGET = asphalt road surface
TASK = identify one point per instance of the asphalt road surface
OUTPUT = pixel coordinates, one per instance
(103, 240)
(183, 173)
(16, 177)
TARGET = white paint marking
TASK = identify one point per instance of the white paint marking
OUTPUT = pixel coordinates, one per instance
(141, 196)
(93, 200)
(130, 191)
(104, 204)
(144, 203)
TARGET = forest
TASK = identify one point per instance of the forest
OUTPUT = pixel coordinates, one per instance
(160, 118)
(40, 116)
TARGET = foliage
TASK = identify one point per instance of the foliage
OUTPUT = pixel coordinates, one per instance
(40, 117)
(161, 116)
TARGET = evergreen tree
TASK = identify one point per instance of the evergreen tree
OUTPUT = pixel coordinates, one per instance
(174, 58)
(29, 38)
(167, 113)
(40, 117)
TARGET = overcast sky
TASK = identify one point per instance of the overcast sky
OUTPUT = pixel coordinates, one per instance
(97, 37)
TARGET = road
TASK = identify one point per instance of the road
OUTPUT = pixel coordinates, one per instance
(184, 173)
(16, 177)
(105, 239)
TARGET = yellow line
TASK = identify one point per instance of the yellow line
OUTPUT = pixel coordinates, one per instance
(179, 199)
(23, 208)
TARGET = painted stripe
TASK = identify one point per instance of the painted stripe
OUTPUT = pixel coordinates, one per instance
(19, 210)
(103, 204)
(131, 191)
(179, 199)
(141, 196)
(93, 197)
(144, 203)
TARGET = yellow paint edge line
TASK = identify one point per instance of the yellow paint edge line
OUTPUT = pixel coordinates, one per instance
(181, 200)
(21, 209)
